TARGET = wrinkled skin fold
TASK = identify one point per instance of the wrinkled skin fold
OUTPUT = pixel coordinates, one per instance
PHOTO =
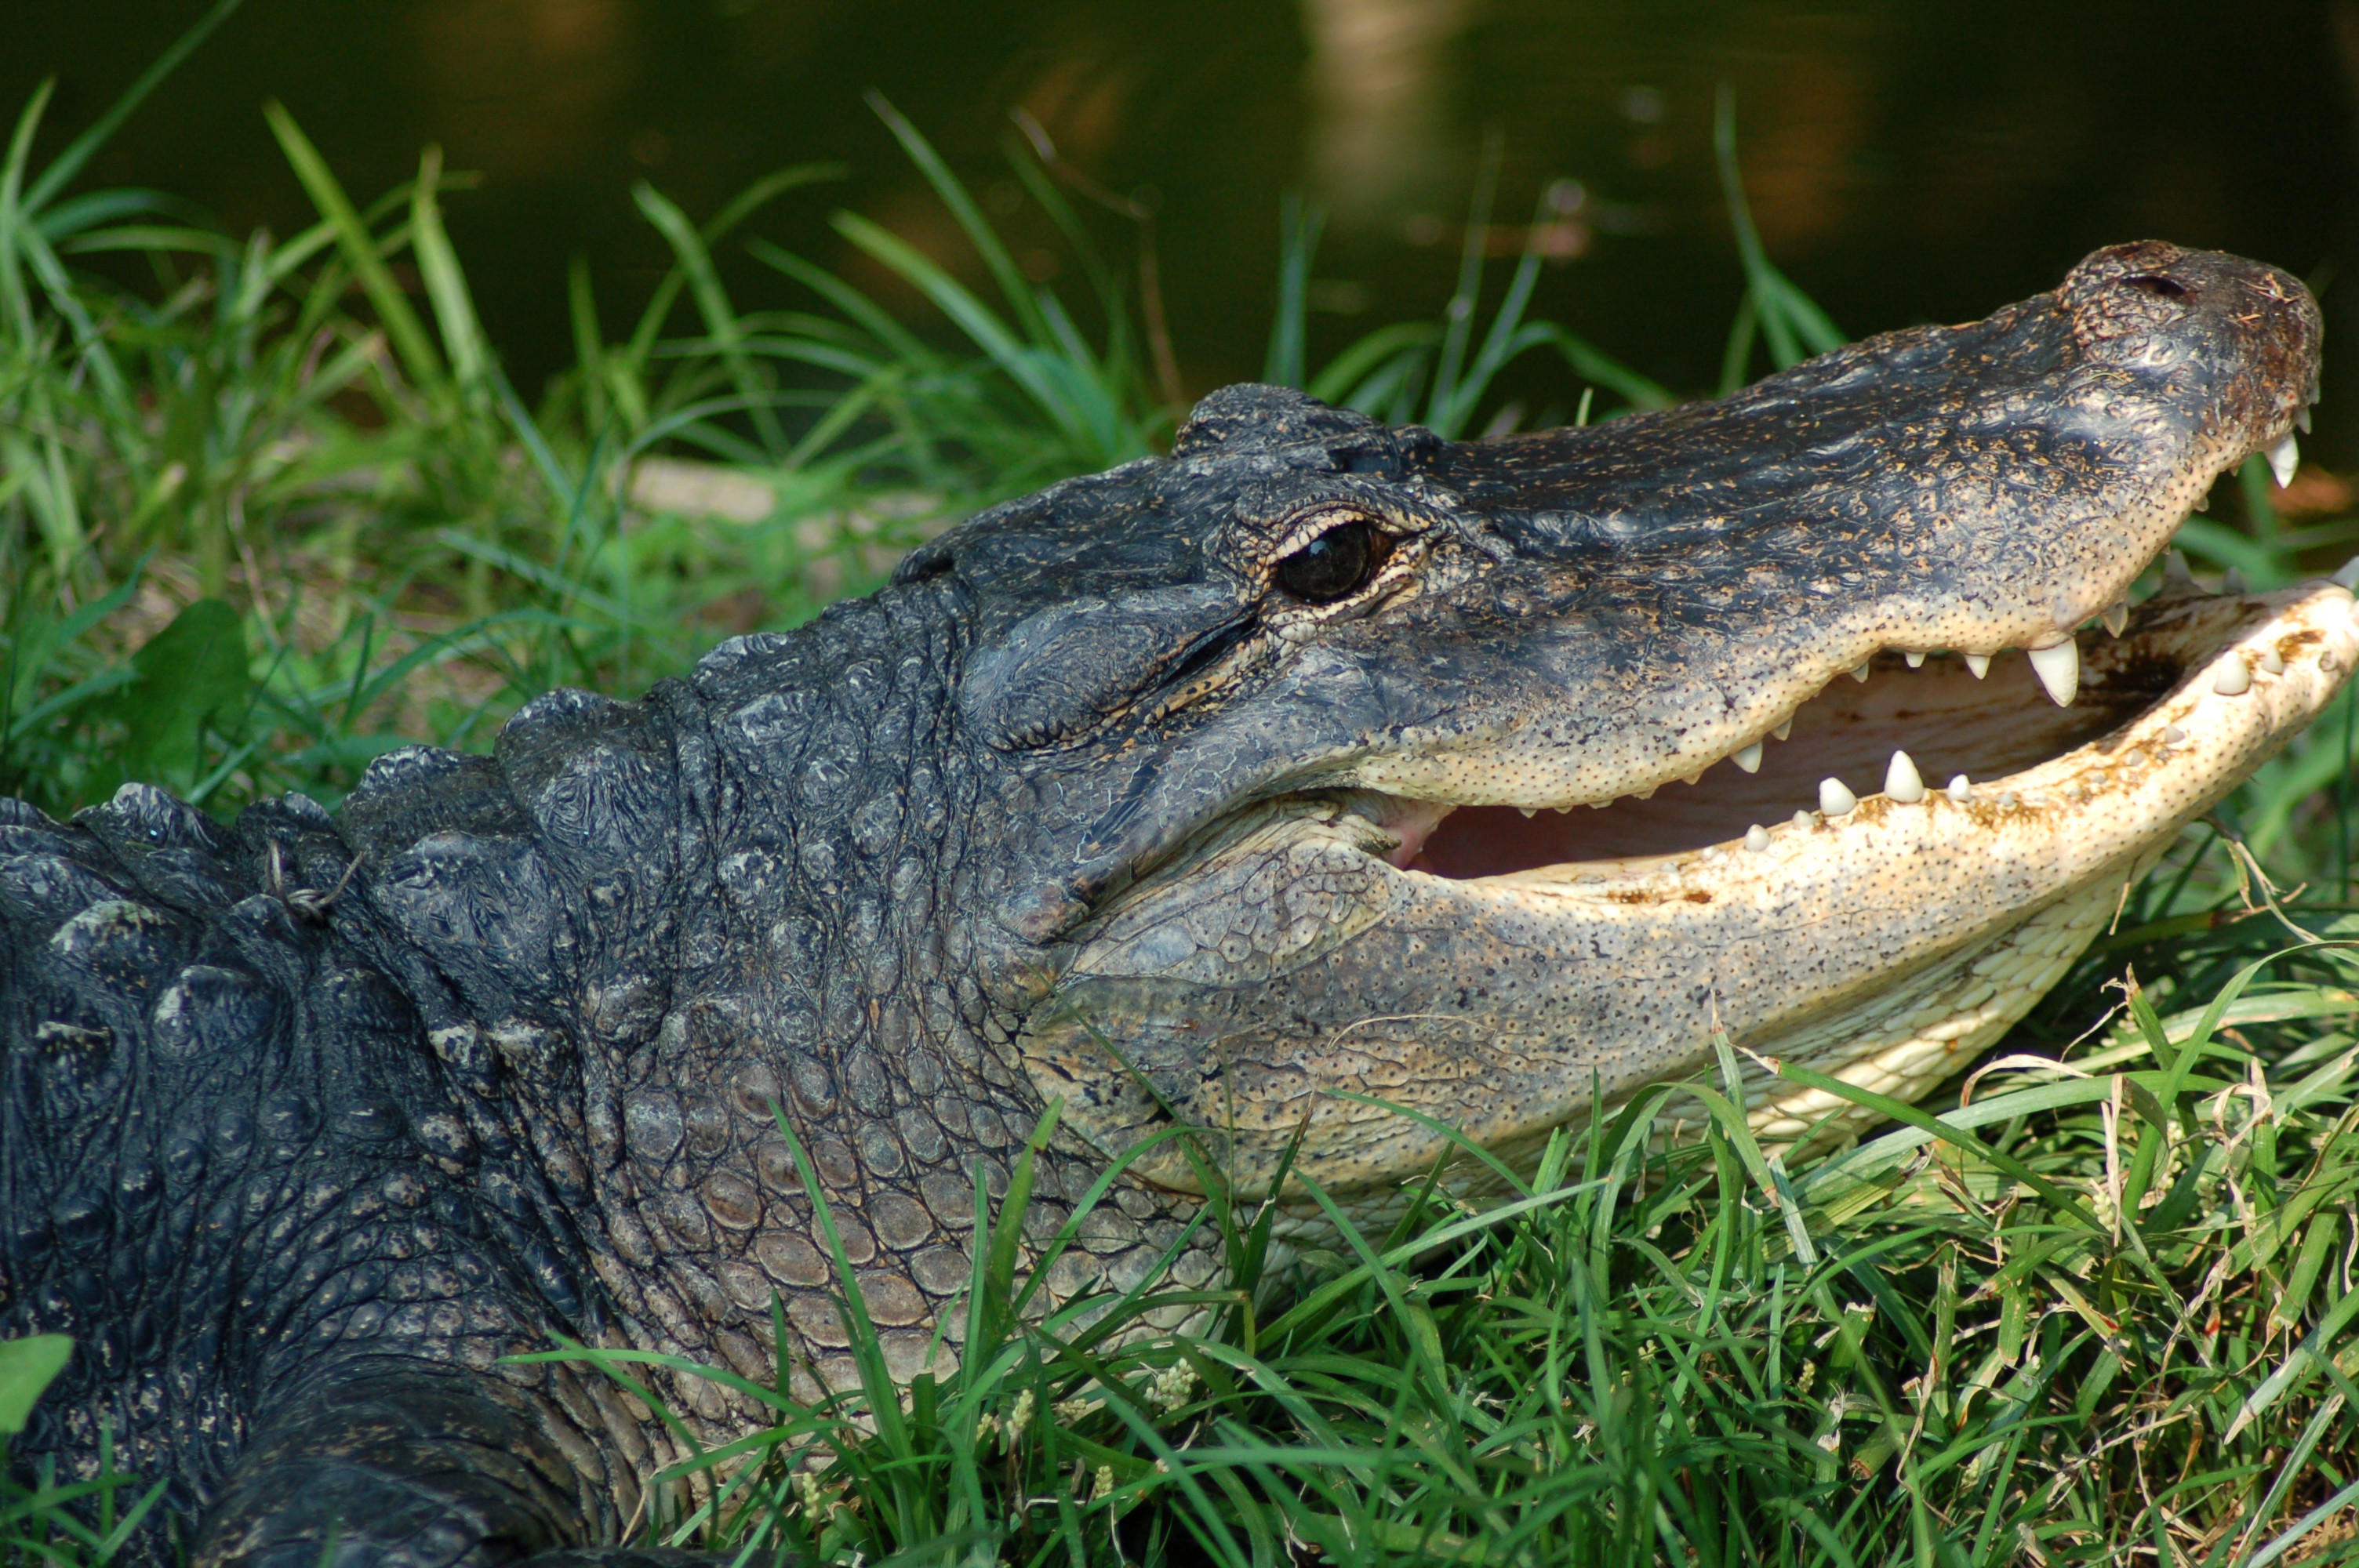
(1316, 770)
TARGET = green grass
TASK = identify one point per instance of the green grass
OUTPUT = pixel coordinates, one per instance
(274, 509)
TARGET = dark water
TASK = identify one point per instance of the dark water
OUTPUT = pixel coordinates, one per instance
(1907, 160)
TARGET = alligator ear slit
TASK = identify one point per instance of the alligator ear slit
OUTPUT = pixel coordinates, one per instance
(1208, 650)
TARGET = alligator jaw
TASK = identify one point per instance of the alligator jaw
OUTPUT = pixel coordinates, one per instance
(2017, 869)
(1885, 944)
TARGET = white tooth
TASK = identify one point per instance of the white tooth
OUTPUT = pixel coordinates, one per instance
(2301, 420)
(1599, 805)
(2347, 577)
(2117, 616)
(1833, 798)
(1644, 795)
(2172, 734)
(2284, 458)
(1563, 810)
(1802, 819)
(2273, 662)
(1696, 777)
(2176, 577)
(1979, 664)
(1901, 780)
(1756, 837)
(2232, 581)
(1960, 790)
(2233, 681)
(1749, 759)
(1785, 731)
(2058, 669)
(1859, 670)
(1915, 661)
(2203, 503)
(2010, 800)
(1530, 812)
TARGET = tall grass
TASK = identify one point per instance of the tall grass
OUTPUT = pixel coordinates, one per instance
(277, 509)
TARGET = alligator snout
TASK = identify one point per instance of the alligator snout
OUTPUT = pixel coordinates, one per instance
(2152, 308)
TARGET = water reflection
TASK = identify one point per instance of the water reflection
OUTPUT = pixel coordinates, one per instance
(1379, 88)
(523, 86)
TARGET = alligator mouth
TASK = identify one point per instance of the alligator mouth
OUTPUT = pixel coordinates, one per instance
(1905, 730)
(1880, 921)
(2182, 702)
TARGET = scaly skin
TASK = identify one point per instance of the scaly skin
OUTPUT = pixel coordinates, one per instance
(1118, 798)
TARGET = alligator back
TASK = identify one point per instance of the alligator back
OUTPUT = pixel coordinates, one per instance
(223, 1159)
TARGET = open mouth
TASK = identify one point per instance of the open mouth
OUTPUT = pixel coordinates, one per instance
(1931, 732)
(1895, 885)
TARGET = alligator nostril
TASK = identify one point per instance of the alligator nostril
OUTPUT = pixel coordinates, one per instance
(2161, 287)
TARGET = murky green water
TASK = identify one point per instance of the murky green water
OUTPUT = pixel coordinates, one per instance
(1907, 160)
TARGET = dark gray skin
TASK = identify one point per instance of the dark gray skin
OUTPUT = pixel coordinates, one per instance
(297, 1170)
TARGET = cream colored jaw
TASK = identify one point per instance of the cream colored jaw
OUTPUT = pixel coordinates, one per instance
(1887, 944)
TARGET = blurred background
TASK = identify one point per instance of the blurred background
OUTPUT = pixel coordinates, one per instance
(1906, 160)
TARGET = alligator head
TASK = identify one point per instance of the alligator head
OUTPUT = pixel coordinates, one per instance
(1359, 769)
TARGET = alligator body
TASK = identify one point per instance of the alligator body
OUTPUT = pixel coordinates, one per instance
(1240, 789)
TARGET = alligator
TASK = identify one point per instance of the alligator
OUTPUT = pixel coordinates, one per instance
(1323, 791)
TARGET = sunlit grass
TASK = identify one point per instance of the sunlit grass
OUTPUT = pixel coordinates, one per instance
(278, 510)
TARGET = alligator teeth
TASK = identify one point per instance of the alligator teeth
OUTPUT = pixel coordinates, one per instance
(2232, 581)
(2176, 577)
(2284, 458)
(1530, 812)
(1901, 780)
(1915, 661)
(2117, 616)
(1756, 837)
(1749, 759)
(1565, 811)
(1833, 798)
(1960, 790)
(2172, 734)
(1644, 795)
(1696, 777)
(2233, 681)
(2273, 662)
(1785, 731)
(2346, 576)
(2301, 420)
(2203, 503)
(1802, 819)
(1979, 664)
(2058, 669)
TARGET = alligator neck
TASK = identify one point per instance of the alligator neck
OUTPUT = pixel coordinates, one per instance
(645, 935)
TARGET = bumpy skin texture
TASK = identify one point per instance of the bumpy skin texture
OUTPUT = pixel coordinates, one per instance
(295, 1177)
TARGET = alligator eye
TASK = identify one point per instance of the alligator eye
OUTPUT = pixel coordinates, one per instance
(1335, 565)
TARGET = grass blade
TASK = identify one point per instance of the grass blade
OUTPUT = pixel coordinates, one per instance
(359, 249)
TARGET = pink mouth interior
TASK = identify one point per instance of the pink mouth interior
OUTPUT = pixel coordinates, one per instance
(1945, 719)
